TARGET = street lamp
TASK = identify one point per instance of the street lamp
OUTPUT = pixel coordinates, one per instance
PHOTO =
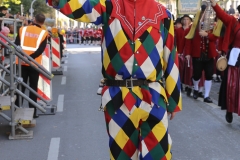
(31, 10)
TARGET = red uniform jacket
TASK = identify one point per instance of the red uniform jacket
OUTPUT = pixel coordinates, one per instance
(232, 26)
(179, 37)
(192, 46)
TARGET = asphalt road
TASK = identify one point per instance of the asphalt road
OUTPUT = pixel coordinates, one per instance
(78, 132)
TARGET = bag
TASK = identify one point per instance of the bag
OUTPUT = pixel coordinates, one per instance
(221, 63)
(234, 57)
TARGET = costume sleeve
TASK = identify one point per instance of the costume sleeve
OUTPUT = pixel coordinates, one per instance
(187, 44)
(211, 37)
(222, 15)
(171, 70)
(81, 10)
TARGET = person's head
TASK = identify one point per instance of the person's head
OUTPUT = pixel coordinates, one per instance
(238, 8)
(30, 22)
(11, 28)
(186, 20)
(5, 31)
(231, 6)
(178, 23)
(3, 9)
(39, 19)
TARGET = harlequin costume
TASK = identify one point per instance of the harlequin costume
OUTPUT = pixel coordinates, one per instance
(135, 57)
(230, 88)
(203, 51)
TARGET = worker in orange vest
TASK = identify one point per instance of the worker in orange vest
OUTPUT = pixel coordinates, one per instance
(33, 41)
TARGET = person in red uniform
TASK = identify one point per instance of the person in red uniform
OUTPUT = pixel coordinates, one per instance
(202, 49)
(99, 36)
(85, 36)
(229, 96)
(180, 42)
(177, 23)
(80, 36)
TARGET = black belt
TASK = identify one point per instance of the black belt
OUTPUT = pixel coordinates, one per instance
(129, 83)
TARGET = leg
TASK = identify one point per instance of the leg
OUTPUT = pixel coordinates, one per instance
(25, 75)
(197, 73)
(122, 131)
(208, 68)
(155, 140)
(33, 83)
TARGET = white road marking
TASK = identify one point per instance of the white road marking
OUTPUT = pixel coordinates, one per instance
(65, 61)
(65, 68)
(54, 149)
(60, 103)
(64, 79)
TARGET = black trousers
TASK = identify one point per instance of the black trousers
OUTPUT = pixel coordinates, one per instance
(31, 75)
(199, 66)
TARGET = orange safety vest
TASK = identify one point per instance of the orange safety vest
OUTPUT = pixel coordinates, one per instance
(30, 39)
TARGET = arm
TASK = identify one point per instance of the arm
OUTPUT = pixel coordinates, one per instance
(171, 71)
(40, 50)
(17, 40)
(223, 16)
(211, 37)
(81, 10)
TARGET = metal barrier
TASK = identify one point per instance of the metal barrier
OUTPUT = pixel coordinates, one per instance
(19, 116)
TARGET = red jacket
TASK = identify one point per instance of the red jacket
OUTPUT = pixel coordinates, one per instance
(192, 46)
(179, 37)
(232, 25)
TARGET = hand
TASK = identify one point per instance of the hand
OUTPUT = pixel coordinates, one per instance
(172, 115)
(220, 52)
(213, 2)
(188, 57)
(203, 33)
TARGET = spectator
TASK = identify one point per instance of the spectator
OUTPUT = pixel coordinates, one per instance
(4, 12)
(231, 10)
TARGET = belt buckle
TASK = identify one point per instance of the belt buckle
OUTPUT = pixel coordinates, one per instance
(129, 83)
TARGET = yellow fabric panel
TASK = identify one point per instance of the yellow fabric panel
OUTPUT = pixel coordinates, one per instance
(137, 45)
(124, 92)
(152, 76)
(84, 18)
(120, 39)
(106, 60)
(159, 131)
(121, 138)
(169, 87)
(74, 5)
(137, 91)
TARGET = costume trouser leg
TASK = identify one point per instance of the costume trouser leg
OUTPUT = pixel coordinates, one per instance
(142, 134)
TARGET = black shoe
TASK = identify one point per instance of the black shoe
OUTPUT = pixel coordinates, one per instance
(35, 116)
(195, 94)
(189, 91)
(207, 100)
(229, 117)
(200, 94)
(186, 89)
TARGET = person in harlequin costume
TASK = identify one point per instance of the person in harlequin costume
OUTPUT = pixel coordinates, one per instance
(137, 52)
(230, 86)
(180, 42)
(201, 47)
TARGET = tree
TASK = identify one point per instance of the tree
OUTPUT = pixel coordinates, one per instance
(39, 6)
